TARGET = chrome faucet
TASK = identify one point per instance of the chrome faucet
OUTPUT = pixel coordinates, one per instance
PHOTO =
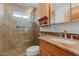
(65, 34)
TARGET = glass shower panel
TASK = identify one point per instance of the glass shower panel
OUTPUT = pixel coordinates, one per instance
(12, 40)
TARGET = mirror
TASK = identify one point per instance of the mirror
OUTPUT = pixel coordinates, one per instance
(60, 11)
(65, 12)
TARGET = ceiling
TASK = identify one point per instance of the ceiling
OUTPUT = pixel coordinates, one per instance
(31, 6)
(54, 5)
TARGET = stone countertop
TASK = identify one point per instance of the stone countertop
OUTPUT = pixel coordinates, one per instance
(73, 46)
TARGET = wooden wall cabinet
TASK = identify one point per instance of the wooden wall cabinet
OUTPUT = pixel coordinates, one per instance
(73, 14)
(47, 49)
(44, 11)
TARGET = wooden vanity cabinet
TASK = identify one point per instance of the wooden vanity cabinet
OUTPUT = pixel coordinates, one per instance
(47, 49)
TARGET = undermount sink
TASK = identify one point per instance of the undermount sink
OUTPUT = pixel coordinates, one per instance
(64, 41)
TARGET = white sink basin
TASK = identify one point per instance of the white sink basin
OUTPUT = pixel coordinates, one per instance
(64, 41)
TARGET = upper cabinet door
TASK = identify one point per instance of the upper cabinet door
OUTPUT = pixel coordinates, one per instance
(44, 11)
(74, 12)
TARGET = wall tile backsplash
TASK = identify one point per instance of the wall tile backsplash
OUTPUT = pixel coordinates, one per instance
(70, 27)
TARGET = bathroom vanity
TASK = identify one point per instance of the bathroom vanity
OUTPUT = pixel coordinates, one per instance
(56, 46)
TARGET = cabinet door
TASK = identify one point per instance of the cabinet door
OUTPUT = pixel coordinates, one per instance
(47, 49)
(44, 10)
(74, 12)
